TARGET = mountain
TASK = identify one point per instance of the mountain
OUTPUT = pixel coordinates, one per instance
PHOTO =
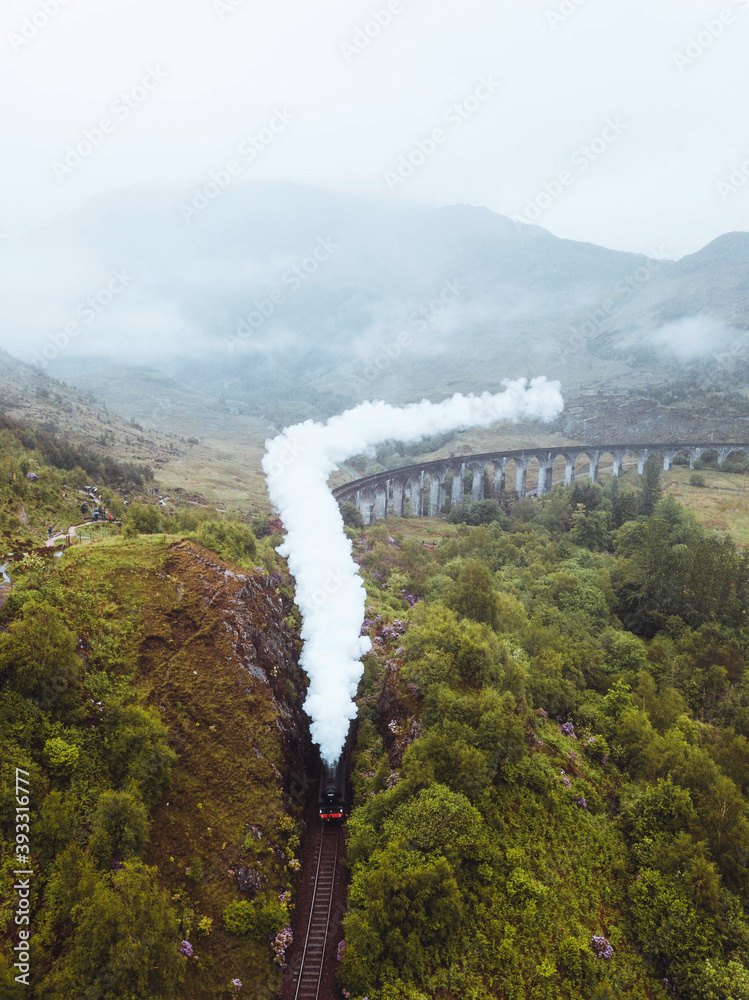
(288, 302)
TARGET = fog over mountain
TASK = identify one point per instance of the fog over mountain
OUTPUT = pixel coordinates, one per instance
(273, 291)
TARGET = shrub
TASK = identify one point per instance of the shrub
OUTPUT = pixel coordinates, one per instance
(239, 917)
(351, 515)
(125, 940)
(262, 917)
(120, 827)
(696, 479)
(229, 540)
(139, 752)
(37, 656)
(143, 519)
(61, 756)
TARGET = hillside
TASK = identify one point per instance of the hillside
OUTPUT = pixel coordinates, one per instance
(550, 775)
(33, 397)
(179, 717)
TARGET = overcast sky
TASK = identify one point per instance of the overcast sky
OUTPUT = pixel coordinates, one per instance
(613, 121)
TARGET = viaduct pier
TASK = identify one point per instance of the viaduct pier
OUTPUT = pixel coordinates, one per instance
(421, 490)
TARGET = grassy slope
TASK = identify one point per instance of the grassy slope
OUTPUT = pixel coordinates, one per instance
(31, 396)
(722, 504)
(191, 631)
(225, 466)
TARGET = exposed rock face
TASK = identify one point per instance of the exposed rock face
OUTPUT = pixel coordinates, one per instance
(250, 611)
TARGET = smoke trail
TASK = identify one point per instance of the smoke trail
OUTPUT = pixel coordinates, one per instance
(329, 592)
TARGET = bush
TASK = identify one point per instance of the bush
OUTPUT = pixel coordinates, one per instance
(37, 657)
(139, 752)
(351, 515)
(229, 540)
(239, 917)
(262, 917)
(125, 937)
(61, 756)
(696, 479)
(120, 827)
(477, 512)
(143, 519)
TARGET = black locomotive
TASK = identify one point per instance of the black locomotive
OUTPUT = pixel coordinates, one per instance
(332, 796)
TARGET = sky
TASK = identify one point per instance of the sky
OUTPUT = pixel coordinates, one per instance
(619, 122)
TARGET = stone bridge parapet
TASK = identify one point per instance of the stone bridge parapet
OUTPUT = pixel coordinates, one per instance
(420, 490)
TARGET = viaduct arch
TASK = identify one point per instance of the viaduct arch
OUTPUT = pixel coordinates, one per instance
(420, 490)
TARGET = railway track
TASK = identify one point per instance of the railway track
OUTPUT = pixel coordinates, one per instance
(309, 979)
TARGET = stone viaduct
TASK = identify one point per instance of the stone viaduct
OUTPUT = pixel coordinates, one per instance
(420, 490)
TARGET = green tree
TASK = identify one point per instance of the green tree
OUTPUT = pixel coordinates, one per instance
(37, 657)
(351, 516)
(229, 539)
(651, 490)
(119, 828)
(124, 940)
(590, 529)
(473, 594)
(139, 752)
(404, 910)
(143, 519)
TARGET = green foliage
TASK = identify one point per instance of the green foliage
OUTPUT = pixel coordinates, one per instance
(473, 595)
(628, 825)
(230, 540)
(62, 756)
(143, 519)
(352, 516)
(63, 454)
(262, 918)
(119, 828)
(590, 528)
(652, 490)
(139, 752)
(239, 917)
(124, 935)
(37, 657)
(478, 512)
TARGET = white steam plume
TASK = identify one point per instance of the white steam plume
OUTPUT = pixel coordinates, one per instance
(329, 592)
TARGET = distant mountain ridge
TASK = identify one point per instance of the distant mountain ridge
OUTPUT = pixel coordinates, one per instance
(296, 302)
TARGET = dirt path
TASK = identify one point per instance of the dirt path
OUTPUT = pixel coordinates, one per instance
(71, 532)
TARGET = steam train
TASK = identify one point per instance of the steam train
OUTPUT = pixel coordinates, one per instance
(332, 798)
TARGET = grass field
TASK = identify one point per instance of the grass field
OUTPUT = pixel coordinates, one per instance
(722, 504)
